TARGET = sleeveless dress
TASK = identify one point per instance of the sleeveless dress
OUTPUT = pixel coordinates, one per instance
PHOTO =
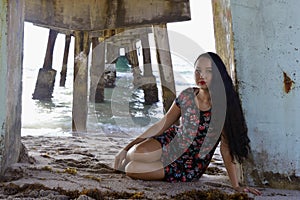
(184, 155)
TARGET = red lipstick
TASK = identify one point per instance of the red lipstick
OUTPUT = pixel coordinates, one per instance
(202, 82)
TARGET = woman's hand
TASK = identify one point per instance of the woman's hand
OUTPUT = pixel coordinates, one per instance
(120, 159)
(247, 189)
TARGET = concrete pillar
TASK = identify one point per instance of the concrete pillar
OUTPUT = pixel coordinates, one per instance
(46, 77)
(223, 34)
(97, 81)
(110, 74)
(112, 53)
(134, 62)
(11, 60)
(266, 63)
(63, 73)
(80, 108)
(165, 65)
(224, 45)
(149, 87)
(127, 55)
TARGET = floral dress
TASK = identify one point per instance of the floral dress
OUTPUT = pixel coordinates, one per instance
(184, 155)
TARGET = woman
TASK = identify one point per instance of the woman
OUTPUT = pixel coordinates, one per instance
(209, 113)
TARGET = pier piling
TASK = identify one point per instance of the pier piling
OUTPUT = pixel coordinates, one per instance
(46, 76)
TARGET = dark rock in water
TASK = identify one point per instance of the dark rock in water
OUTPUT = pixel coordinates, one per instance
(110, 73)
(110, 76)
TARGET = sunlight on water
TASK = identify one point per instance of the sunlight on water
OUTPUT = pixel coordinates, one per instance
(123, 110)
(45, 118)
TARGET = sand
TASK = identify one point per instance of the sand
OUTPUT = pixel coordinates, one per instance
(80, 167)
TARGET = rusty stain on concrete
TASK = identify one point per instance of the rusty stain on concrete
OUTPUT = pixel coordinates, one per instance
(287, 83)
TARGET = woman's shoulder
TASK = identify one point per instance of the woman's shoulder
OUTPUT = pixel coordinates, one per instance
(189, 90)
(187, 93)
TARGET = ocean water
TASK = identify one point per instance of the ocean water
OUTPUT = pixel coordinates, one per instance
(123, 111)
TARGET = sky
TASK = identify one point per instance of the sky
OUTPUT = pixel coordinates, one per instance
(200, 27)
(197, 33)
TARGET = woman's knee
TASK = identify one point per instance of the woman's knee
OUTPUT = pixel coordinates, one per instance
(149, 145)
(147, 151)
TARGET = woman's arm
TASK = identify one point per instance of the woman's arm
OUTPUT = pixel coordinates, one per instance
(159, 127)
(228, 162)
(231, 168)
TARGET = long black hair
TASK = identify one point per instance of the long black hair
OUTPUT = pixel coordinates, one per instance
(234, 127)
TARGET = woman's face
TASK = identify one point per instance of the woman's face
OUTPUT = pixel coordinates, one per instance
(203, 72)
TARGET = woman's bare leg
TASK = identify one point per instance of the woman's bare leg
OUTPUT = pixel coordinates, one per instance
(146, 151)
(145, 171)
(144, 161)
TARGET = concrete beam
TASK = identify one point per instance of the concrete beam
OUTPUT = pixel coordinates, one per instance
(91, 15)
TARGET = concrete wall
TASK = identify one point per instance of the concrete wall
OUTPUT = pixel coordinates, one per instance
(11, 57)
(267, 54)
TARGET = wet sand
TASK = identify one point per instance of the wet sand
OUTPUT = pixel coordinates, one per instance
(80, 167)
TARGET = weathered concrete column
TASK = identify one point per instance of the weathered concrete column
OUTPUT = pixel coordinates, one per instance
(267, 71)
(11, 61)
(165, 65)
(112, 53)
(127, 55)
(110, 74)
(46, 77)
(80, 108)
(149, 87)
(224, 45)
(97, 82)
(134, 62)
(223, 34)
(63, 73)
